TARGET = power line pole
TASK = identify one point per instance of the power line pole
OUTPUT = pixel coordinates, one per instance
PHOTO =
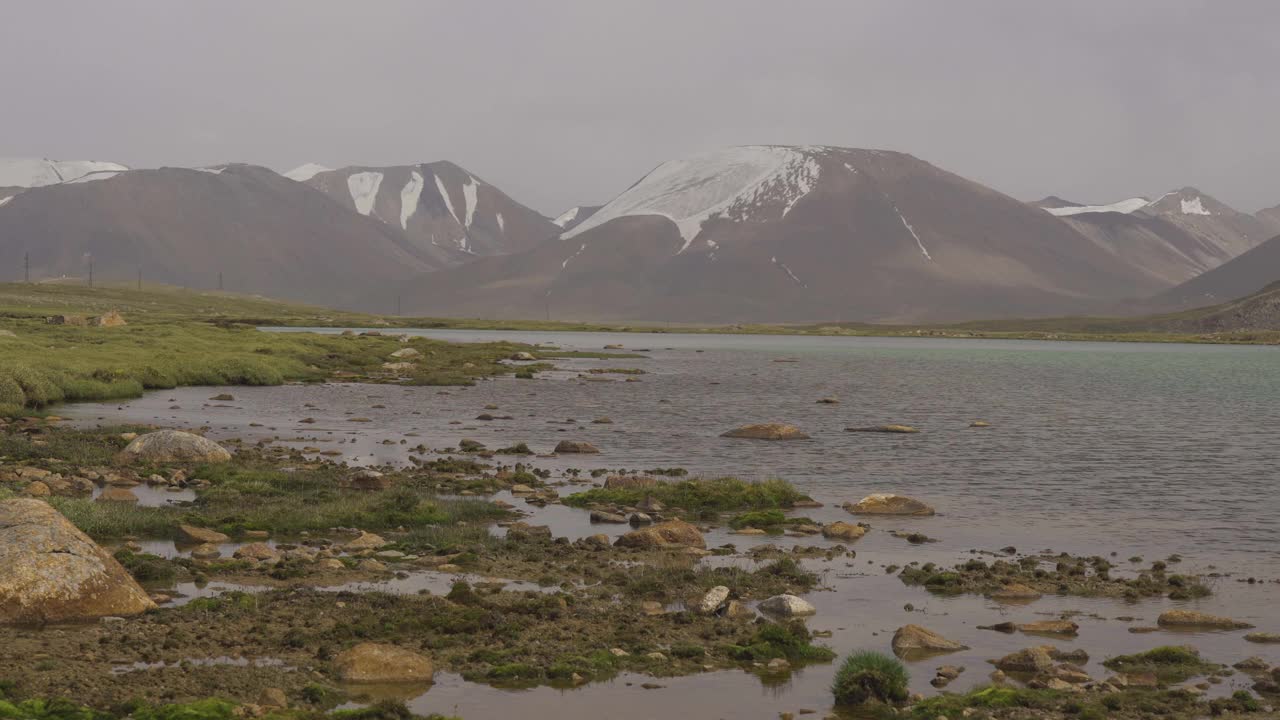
(219, 281)
(139, 278)
(397, 306)
(26, 267)
(91, 273)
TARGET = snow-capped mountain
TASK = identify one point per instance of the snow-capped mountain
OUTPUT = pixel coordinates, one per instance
(434, 205)
(1167, 240)
(575, 216)
(783, 233)
(264, 234)
(38, 172)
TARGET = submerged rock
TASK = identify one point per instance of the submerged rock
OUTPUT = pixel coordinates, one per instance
(380, 663)
(1016, 591)
(576, 446)
(904, 429)
(117, 494)
(1190, 618)
(50, 571)
(174, 446)
(916, 640)
(1030, 660)
(766, 431)
(672, 533)
(1050, 627)
(600, 516)
(888, 504)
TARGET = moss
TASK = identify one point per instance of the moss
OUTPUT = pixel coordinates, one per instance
(1169, 663)
(719, 495)
(789, 641)
(145, 567)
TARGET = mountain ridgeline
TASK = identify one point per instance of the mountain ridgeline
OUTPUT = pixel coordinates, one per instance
(738, 234)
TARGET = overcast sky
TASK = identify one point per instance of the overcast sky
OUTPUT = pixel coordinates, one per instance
(566, 103)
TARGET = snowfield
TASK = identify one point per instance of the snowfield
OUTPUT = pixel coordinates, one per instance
(1195, 206)
(409, 198)
(303, 173)
(737, 183)
(1124, 207)
(38, 172)
(364, 190)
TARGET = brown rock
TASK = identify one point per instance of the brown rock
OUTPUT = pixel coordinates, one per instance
(903, 429)
(193, 535)
(1030, 660)
(575, 446)
(117, 494)
(672, 533)
(841, 530)
(256, 551)
(111, 318)
(915, 641)
(174, 446)
(766, 431)
(1050, 627)
(52, 572)
(1190, 618)
(888, 504)
(380, 663)
(1016, 591)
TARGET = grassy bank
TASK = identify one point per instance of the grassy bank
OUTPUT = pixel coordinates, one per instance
(176, 338)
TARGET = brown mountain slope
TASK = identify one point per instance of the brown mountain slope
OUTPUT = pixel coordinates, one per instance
(435, 205)
(792, 234)
(1240, 277)
(263, 232)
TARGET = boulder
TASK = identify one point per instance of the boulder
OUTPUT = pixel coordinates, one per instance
(52, 572)
(193, 535)
(715, 598)
(365, 541)
(1191, 618)
(905, 429)
(1050, 627)
(256, 551)
(766, 431)
(523, 357)
(600, 516)
(380, 663)
(913, 640)
(888, 504)
(406, 354)
(1016, 591)
(208, 551)
(629, 482)
(672, 533)
(1263, 637)
(1031, 660)
(366, 479)
(575, 446)
(787, 605)
(174, 446)
(38, 489)
(117, 494)
(841, 530)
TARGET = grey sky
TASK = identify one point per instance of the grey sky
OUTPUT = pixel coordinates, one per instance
(564, 103)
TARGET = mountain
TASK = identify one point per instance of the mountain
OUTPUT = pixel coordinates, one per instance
(1271, 217)
(779, 233)
(1259, 311)
(18, 174)
(575, 216)
(264, 233)
(435, 205)
(1241, 276)
(1169, 240)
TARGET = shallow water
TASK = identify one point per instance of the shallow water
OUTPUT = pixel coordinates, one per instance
(1095, 448)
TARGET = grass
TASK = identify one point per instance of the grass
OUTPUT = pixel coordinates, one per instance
(716, 495)
(1169, 663)
(178, 338)
(867, 676)
(207, 709)
(790, 641)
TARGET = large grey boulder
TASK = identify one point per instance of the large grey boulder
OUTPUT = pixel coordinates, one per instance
(174, 446)
(52, 572)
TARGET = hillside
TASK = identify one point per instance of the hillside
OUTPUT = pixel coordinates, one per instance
(1242, 276)
(258, 231)
(434, 205)
(778, 234)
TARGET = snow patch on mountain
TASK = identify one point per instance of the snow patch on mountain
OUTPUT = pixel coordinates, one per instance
(101, 175)
(409, 198)
(364, 190)
(1125, 207)
(469, 199)
(567, 217)
(305, 172)
(502, 224)
(737, 183)
(38, 172)
(1194, 206)
(923, 251)
(445, 194)
(786, 269)
(565, 264)
(5, 200)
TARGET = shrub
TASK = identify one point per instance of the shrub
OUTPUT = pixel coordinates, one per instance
(870, 676)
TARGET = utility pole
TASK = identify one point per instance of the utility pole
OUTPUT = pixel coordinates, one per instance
(26, 267)
(397, 306)
(91, 272)
(139, 278)
(219, 281)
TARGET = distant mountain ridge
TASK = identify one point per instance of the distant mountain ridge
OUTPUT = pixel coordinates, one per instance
(436, 204)
(792, 233)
